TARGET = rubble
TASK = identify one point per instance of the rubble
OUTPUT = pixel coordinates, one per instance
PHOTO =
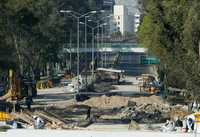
(114, 109)
(51, 122)
(179, 112)
(150, 109)
(134, 126)
(146, 113)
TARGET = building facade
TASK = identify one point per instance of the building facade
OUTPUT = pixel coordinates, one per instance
(126, 17)
(122, 21)
(137, 18)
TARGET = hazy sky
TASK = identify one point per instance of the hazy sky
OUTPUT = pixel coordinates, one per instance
(132, 5)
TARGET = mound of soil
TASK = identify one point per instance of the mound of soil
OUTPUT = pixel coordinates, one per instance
(104, 102)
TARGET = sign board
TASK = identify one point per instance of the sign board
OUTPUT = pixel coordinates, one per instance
(149, 60)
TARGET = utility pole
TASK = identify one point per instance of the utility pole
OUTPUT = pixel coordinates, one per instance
(93, 54)
(78, 16)
(102, 45)
(70, 50)
(97, 48)
(86, 59)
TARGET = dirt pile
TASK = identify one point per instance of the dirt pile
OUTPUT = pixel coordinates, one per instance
(119, 101)
(104, 102)
(150, 109)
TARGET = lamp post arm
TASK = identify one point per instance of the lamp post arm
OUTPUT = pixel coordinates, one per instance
(83, 15)
(73, 15)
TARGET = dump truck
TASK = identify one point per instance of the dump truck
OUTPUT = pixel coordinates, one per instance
(109, 74)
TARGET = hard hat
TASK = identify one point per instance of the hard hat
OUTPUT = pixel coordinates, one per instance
(34, 117)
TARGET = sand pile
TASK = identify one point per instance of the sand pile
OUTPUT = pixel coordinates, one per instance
(119, 101)
(107, 102)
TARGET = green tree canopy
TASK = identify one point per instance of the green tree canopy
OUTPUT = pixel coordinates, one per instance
(32, 31)
(170, 30)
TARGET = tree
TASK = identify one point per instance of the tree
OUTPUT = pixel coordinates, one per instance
(33, 31)
(170, 30)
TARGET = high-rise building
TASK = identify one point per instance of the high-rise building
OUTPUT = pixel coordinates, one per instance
(136, 21)
(133, 6)
(126, 16)
(122, 21)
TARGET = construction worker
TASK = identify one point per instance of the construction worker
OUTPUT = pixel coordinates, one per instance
(190, 124)
(14, 125)
(29, 102)
(168, 126)
(118, 78)
(88, 117)
(29, 98)
(38, 122)
(179, 124)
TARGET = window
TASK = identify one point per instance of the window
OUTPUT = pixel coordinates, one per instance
(118, 23)
(118, 28)
(118, 17)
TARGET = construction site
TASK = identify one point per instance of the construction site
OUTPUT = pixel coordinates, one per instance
(108, 67)
(122, 92)
(108, 103)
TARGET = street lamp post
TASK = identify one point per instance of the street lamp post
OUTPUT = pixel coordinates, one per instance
(102, 45)
(93, 38)
(70, 46)
(78, 16)
(93, 42)
(98, 32)
(78, 46)
(86, 57)
(93, 53)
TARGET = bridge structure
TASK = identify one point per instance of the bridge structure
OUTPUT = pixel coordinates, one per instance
(131, 57)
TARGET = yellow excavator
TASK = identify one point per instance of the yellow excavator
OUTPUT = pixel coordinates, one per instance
(14, 91)
(19, 88)
(12, 94)
(4, 116)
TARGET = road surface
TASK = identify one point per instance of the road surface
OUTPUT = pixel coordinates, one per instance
(61, 94)
(80, 133)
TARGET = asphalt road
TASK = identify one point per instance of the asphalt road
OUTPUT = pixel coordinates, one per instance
(62, 96)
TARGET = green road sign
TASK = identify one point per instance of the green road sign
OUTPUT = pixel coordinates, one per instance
(149, 60)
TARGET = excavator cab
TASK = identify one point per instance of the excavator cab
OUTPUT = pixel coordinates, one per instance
(19, 88)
